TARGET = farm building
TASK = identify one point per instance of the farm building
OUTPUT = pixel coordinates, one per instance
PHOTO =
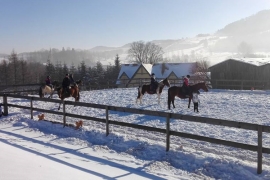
(245, 73)
(134, 75)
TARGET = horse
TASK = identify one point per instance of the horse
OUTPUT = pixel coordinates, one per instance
(45, 89)
(177, 91)
(146, 89)
(73, 92)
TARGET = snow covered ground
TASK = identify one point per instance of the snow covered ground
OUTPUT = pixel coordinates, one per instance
(48, 151)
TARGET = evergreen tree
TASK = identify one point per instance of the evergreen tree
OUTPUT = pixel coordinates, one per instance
(13, 68)
(4, 72)
(117, 67)
(50, 69)
(65, 69)
(59, 74)
(100, 70)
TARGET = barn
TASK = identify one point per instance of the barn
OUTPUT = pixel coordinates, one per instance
(134, 75)
(241, 73)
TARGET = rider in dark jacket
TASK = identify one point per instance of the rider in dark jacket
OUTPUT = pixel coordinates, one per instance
(66, 84)
(154, 83)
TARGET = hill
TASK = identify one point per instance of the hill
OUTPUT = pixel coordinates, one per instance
(254, 31)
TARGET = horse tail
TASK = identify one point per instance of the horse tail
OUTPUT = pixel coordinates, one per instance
(40, 92)
(169, 99)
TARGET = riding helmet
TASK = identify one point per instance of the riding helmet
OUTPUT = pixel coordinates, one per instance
(152, 74)
(188, 76)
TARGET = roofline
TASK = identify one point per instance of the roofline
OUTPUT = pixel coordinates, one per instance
(231, 60)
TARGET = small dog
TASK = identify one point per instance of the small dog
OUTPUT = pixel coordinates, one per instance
(78, 124)
(41, 116)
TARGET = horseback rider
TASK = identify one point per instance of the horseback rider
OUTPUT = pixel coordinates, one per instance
(154, 83)
(48, 82)
(72, 82)
(66, 84)
(185, 86)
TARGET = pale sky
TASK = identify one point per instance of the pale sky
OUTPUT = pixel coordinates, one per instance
(30, 25)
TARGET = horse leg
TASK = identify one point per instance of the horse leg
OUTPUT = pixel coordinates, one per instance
(189, 100)
(173, 101)
(169, 99)
(158, 98)
(139, 94)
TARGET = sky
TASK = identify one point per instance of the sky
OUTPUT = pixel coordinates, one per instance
(33, 149)
(30, 25)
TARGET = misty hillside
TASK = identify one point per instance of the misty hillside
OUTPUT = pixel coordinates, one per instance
(253, 31)
(255, 24)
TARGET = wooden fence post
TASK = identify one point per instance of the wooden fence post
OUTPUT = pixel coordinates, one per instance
(5, 105)
(259, 167)
(31, 107)
(168, 131)
(107, 121)
(64, 113)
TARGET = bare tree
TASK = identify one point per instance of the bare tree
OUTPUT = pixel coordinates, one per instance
(141, 52)
(200, 70)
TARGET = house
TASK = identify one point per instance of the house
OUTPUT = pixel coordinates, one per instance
(241, 73)
(134, 75)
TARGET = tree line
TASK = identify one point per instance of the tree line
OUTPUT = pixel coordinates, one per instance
(19, 71)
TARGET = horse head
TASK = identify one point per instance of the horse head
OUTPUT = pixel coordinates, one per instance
(166, 82)
(204, 87)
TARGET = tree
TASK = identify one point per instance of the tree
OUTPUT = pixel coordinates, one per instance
(100, 70)
(4, 72)
(82, 70)
(141, 52)
(65, 69)
(117, 67)
(49, 68)
(24, 71)
(13, 67)
(200, 70)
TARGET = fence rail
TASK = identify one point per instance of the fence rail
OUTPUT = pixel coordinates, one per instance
(247, 126)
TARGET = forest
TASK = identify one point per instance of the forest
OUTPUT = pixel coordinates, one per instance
(15, 70)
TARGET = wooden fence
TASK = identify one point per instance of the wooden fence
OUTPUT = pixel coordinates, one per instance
(242, 125)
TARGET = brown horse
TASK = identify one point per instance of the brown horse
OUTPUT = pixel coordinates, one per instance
(73, 92)
(146, 89)
(177, 91)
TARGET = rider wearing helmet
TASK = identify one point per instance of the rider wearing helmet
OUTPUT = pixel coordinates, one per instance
(185, 87)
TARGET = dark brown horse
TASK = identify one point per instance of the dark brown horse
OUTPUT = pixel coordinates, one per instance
(177, 91)
(73, 92)
(146, 89)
